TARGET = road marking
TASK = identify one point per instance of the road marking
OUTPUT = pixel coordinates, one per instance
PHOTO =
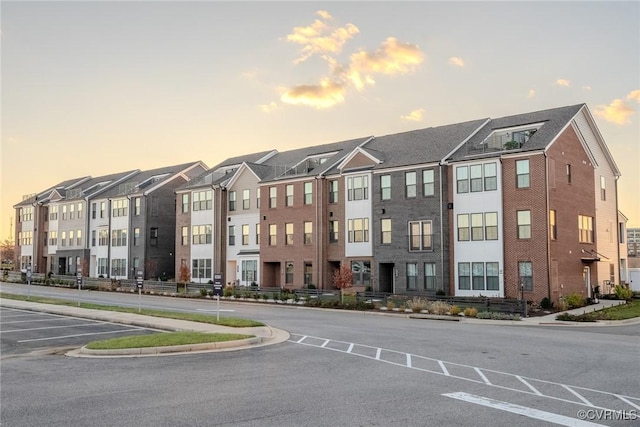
(324, 344)
(25, 321)
(350, 348)
(76, 335)
(522, 410)
(214, 311)
(378, 353)
(47, 327)
(484, 378)
(444, 368)
(533, 389)
(577, 395)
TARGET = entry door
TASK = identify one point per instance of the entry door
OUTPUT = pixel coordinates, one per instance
(586, 276)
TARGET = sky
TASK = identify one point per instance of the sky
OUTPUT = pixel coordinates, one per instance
(94, 88)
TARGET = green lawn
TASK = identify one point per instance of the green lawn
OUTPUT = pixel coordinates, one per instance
(163, 339)
(629, 310)
(193, 317)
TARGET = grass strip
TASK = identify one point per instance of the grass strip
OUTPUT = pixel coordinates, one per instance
(626, 311)
(233, 322)
(163, 339)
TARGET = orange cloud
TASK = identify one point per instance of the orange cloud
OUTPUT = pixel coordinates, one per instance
(616, 112)
(325, 95)
(563, 82)
(634, 95)
(414, 116)
(458, 62)
(267, 108)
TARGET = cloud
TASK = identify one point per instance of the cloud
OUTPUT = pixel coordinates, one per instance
(563, 82)
(321, 37)
(324, 95)
(634, 95)
(531, 93)
(267, 108)
(616, 112)
(458, 62)
(414, 116)
(588, 88)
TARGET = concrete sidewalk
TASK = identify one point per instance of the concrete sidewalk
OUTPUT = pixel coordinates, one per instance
(263, 335)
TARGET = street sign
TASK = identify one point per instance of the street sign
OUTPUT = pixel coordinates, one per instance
(217, 284)
(139, 279)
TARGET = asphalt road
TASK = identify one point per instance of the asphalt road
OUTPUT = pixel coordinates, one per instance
(338, 369)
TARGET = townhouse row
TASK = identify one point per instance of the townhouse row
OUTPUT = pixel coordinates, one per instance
(519, 206)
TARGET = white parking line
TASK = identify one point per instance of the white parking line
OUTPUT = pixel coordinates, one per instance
(25, 321)
(47, 327)
(522, 410)
(76, 335)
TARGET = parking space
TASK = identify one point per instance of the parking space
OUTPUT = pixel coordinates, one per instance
(24, 331)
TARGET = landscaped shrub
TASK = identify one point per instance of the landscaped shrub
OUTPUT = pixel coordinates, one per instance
(574, 300)
(546, 303)
(454, 310)
(390, 305)
(470, 312)
(417, 304)
(439, 307)
(265, 297)
(494, 315)
(203, 292)
(227, 292)
(623, 293)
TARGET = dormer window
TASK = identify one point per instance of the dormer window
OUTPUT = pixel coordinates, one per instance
(509, 138)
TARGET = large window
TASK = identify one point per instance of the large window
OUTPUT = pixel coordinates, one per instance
(430, 282)
(308, 193)
(273, 197)
(53, 213)
(462, 179)
(103, 237)
(333, 232)
(361, 273)
(308, 232)
(463, 227)
(385, 187)
(201, 234)
(358, 230)
(477, 278)
(420, 236)
(53, 238)
(118, 267)
(428, 182)
(245, 234)
(493, 280)
(273, 234)
(26, 214)
(524, 224)
(333, 191)
(288, 233)
(410, 184)
(491, 225)
(525, 275)
(553, 227)
(464, 276)
(232, 200)
(288, 201)
(412, 276)
(185, 202)
(201, 268)
(118, 237)
(246, 199)
(385, 230)
(490, 177)
(585, 227)
(202, 200)
(185, 236)
(249, 270)
(120, 208)
(232, 235)
(522, 173)
(102, 267)
(477, 229)
(475, 173)
(358, 187)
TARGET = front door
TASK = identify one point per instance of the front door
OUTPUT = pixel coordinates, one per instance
(586, 276)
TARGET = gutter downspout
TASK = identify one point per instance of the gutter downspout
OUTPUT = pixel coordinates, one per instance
(549, 272)
(441, 229)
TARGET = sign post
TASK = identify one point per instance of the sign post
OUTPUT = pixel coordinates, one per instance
(139, 282)
(217, 291)
(79, 280)
(29, 275)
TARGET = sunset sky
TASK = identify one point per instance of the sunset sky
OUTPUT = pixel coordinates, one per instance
(94, 88)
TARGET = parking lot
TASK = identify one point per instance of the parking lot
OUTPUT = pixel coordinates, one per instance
(24, 331)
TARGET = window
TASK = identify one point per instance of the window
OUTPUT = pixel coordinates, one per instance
(72, 209)
(522, 173)
(201, 268)
(103, 209)
(202, 200)
(245, 234)
(185, 236)
(118, 267)
(490, 177)
(603, 189)
(430, 276)
(120, 208)
(477, 227)
(136, 263)
(273, 197)
(361, 273)
(524, 224)
(232, 200)
(258, 198)
(491, 225)
(462, 179)
(153, 236)
(232, 235)
(358, 230)
(79, 238)
(53, 238)
(464, 276)
(103, 237)
(412, 276)
(94, 211)
(358, 187)
(477, 278)
(246, 199)
(79, 210)
(249, 270)
(569, 174)
(333, 191)
(53, 213)
(288, 201)
(308, 193)
(308, 273)
(257, 234)
(385, 230)
(553, 227)
(63, 238)
(420, 236)
(463, 227)
(585, 227)
(136, 206)
(118, 237)
(288, 233)
(475, 172)
(185, 203)
(102, 267)
(333, 232)
(308, 232)
(273, 234)
(288, 275)
(385, 187)
(410, 184)
(93, 237)
(71, 234)
(493, 281)
(136, 236)
(64, 213)
(428, 182)
(525, 275)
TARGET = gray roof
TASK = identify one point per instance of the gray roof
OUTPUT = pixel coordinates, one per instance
(60, 188)
(245, 158)
(95, 186)
(554, 120)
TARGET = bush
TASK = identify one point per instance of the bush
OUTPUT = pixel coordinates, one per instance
(439, 307)
(390, 305)
(265, 297)
(574, 300)
(623, 293)
(494, 315)
(470, 312)
(454, 310)
(417, 304)
(203, 292)
(227, 292)
(440, 292)
(546, 303)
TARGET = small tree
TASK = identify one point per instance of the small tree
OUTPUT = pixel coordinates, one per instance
(342, 279)
(184, 276)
